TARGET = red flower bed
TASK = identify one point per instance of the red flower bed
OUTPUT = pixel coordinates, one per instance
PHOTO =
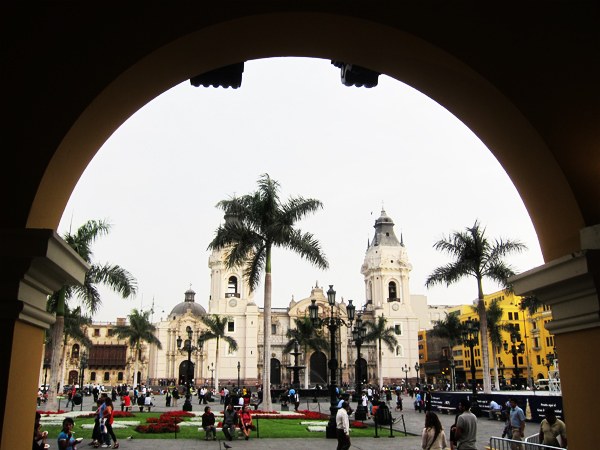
(116, 415)
(47, 413)
(355, 424)
(166, 423)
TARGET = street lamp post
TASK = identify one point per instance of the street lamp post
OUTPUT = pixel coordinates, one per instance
(358, 334)
(452, 372)
(515, 350)
(406, 369)
(332, 323)
(46, 367)
(83, 363)
(238, 366)
(189, 349)
(471, 338)
(212, 369)
(417, 368)
(550, 357)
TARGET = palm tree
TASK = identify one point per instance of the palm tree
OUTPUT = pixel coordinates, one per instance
(75, 324)
(476, 256)
(139, 330)
(378, 332)
(494, 328)
(531, 305)
(307, 336)
(450, 328)
(254, 224)
(216, 325)
(114, 277)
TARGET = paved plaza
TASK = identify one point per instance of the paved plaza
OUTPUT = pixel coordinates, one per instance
(413, 420)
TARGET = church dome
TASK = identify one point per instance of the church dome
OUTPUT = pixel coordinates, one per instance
(384, 232)
(189, 303)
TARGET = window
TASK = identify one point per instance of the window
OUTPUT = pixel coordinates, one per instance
(232, 285)
(140, 354)
(392, 290)
(230, 352)
(517, 327)
(420, 346)
(534, 325)
(93, 376)
(539, 359)
(96, 332)
(457, 352)
(398, 328)
(550, 341)
(520, 360)
(75, 351)
(459, 362)
(536, 343)
(510, 316)
(273, 329)
(516, 316)
(106, 376)
(477, 363)
(421, 356)
(110, 332)
(120, 376)
(231, 327)
(400, 351)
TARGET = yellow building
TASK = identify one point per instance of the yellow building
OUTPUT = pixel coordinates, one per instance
(534, 345)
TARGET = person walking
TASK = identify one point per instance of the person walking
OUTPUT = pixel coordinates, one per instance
(466, 427)
(517, 423)
(175, 396)
(427, 400)
(433, 437)
(418, 402)
(551, 428)
(342, 425)
(108, 421)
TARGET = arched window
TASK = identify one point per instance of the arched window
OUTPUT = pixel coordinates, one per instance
(106, 376)
(93, 376)
(75, 351)
(120, 376)
(232, 285)
(399, 351)
(393, 293)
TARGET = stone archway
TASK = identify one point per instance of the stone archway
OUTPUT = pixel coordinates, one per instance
(185, 371)
(275, 371)
(546, 143)
(318, 368)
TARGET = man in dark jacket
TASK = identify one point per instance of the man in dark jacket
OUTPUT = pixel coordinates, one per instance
(230, 420)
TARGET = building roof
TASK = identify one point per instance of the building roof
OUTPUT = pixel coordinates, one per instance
(189, 303)
(384, 232)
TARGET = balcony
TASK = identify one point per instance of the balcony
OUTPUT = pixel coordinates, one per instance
(536, 349)
(232, 294)
(393, 300)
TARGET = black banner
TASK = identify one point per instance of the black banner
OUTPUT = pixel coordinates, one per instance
(532, 405)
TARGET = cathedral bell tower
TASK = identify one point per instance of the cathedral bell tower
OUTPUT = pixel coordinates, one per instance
(386, 268)
(229, 292)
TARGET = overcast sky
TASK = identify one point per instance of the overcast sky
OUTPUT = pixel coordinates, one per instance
(160, 175)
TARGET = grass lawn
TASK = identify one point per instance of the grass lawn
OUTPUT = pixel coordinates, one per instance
(268, 428)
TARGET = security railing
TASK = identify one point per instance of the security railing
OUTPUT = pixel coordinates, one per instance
(508, 444)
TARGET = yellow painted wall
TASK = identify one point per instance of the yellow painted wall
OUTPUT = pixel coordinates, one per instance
(23, 371)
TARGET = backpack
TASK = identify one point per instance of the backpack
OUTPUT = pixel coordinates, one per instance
(384, 417)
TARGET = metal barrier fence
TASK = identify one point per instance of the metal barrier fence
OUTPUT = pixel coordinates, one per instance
(508, 444)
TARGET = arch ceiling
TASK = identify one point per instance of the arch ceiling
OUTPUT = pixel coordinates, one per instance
(522, 76)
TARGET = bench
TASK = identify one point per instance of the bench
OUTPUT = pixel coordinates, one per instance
(446, 409)
(238, 430)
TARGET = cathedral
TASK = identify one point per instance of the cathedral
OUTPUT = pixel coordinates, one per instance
(386, 271)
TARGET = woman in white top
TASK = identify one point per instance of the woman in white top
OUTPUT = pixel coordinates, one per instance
(433, 437)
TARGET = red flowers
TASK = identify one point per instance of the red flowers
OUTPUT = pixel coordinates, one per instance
(47, 413)
(116, 414)
(166, 423)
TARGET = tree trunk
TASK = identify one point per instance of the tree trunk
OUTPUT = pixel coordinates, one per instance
(496, 378)
(379, 365)
(217, 368)
(483, 334)
(63, 360)
(57, 340)
(306, 368)
(267, 335)
(135, 364)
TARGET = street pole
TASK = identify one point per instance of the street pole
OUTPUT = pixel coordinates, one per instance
(358, 334)
(238, 367)
(332, 323)
(471, 338)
